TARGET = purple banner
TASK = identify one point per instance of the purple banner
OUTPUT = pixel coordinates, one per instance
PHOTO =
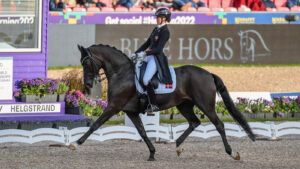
(178, 18)
(134, 18)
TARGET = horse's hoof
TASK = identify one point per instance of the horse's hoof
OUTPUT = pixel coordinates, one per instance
(236, 157)
(179, 150)
(72, 146)
(151, 159)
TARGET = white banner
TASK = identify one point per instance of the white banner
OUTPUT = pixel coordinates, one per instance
(30, 108)
(6, 78)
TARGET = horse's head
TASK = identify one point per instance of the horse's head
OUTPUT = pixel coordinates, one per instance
(90, 68)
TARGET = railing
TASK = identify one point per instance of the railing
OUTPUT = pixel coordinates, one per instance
(168, 133)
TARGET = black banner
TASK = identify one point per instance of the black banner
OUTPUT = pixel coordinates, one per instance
(264, 44)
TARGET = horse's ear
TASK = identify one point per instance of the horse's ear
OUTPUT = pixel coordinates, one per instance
(80, 48)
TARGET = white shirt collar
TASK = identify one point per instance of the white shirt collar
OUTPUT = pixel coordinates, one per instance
(159, 26)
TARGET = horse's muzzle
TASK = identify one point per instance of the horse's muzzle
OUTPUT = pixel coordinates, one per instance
(87, 88)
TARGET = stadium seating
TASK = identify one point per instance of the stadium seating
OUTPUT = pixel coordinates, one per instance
(295, 9)
(203, 9)
(93, 9)
(281, 5)
(108, 3)
(227, 5)
(211, 6)
(244, 9)
(191, 9)
(271, 9)
(107, 9)
(121, 9)
(79, 9)
(217, 9)
(215, 5)
(148, 10)
(135, 9)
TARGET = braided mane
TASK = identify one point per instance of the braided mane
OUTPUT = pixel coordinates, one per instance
(114, 48)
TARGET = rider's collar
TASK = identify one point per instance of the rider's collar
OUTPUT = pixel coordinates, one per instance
(161, 25)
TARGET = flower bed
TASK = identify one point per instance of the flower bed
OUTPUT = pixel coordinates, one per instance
(75, 98)
(259, 108)
(39, 90)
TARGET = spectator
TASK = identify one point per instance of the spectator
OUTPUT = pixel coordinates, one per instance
(99, 4)
(94, 3)
(148, 4)
(71, 3)
(56, 5)
(184, 5)
(254, 5)
(81, 2)
(164, 3)
(124, 3)
(291, 3)
(268, 4)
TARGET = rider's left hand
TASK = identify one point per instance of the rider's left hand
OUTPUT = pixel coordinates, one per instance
(141, 54)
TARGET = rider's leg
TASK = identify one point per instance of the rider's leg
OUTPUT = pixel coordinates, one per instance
(150, 71)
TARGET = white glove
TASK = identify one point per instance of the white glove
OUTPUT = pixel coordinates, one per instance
(141, 55)
(133, 56)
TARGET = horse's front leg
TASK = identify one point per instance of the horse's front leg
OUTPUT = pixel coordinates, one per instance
(106, 115)
(136, 120)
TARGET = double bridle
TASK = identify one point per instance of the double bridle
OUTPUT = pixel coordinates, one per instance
(95, 72)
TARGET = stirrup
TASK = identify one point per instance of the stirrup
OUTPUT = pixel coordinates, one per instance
(151, 109)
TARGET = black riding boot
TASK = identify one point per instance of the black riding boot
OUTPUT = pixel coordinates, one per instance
(152, 99)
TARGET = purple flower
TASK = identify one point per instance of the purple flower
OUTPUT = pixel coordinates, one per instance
(101, 103)
(280, 114)
(17, 93)
(286, 100)
(298, 100)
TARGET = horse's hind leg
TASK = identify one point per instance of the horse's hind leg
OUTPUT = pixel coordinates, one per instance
(212, 115)
(186, 109)
(136, 120)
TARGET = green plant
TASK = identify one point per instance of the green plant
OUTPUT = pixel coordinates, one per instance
(62, 88)
(221, 108)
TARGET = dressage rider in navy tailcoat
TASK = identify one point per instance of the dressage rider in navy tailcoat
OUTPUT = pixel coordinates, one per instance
(156, 59)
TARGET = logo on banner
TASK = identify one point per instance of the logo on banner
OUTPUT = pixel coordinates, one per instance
(252, 45)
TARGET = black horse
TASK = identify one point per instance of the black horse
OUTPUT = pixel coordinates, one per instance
(195, 87)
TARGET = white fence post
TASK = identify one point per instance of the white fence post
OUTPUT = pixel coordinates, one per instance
(273, 130)
(171, 138)
(66, 135)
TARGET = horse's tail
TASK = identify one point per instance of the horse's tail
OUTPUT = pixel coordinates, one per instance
(236, 114)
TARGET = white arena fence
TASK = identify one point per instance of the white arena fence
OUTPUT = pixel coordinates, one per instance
(167, 133)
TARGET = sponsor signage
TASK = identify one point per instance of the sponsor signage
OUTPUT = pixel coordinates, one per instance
(30, 108)
(194, 44)
(15, 19)
(6, 78)
(178, 18)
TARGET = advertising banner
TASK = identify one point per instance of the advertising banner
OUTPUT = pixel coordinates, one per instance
(193, 44)
(178, 18)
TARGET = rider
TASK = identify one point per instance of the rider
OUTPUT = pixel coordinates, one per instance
(156, 59)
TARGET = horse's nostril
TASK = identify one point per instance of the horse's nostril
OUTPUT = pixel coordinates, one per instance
(88, 85)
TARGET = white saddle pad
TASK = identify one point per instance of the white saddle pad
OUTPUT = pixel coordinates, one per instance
(162, 88)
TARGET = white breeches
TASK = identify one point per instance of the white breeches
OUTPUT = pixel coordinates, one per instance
(150, 69)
